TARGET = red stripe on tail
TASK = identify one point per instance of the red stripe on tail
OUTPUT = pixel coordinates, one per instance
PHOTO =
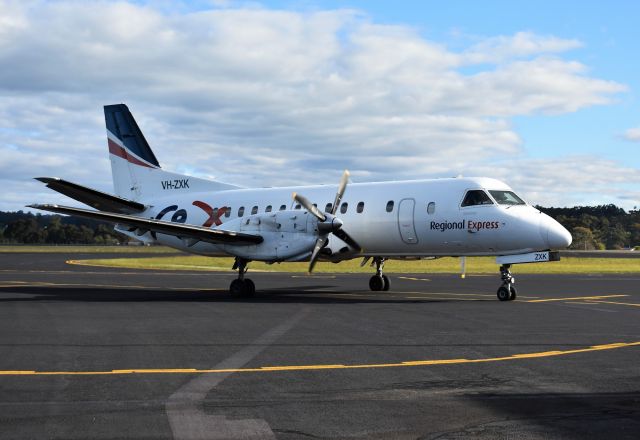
(117, 150)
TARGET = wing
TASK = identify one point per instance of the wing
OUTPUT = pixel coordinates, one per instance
(92, 197)
(190, 233)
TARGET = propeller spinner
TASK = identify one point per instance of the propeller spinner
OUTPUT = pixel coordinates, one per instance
(328, 223)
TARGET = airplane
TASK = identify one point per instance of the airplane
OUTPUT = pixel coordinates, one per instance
(377, 221)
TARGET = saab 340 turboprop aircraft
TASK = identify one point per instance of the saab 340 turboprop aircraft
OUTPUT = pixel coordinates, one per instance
(379, 221)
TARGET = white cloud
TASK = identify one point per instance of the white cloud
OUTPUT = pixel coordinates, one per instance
(572, 180)
(632, 134)
(521, 45)
(267, 97)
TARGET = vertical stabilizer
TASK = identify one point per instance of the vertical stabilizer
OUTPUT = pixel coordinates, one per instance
(136, 172)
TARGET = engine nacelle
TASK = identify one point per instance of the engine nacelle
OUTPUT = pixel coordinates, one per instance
(288, 236)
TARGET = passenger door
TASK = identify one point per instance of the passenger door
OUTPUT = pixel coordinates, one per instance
(405, 221)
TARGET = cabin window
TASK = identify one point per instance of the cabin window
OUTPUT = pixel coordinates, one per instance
(476, 197)
(344, 207)
(241, 211)
(328, 207)
(390, 206)
(268, 208)
(254, 210)
(283, 207)
(297, 206)
(431, 208)
(360, 207)
(227, 213)
(506, 198)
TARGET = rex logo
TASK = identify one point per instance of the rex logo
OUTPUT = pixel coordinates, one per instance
(180, 215)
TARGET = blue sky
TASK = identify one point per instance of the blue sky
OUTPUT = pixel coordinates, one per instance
(542, 95)
(609, 32)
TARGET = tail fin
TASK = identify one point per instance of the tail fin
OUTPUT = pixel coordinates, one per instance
(124, 137)
(136, 172)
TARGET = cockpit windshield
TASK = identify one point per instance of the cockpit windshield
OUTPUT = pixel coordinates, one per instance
(506, 197)
(476, 197)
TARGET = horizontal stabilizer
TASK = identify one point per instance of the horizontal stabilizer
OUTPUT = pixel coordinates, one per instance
(92, 197)
(180, 230)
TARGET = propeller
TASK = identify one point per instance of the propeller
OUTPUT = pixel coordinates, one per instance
(328, 222)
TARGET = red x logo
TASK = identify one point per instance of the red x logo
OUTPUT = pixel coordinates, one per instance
(214, 217)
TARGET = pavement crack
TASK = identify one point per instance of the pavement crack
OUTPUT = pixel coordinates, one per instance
(295, 433)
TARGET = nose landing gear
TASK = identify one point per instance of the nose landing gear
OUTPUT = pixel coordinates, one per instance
(507, 291)
(242, 287)
(379, 281)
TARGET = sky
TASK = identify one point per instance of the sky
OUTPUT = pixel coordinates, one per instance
(543, 95)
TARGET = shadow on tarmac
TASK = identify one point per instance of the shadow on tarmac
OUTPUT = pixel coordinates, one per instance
(556, 415)
(63, 293)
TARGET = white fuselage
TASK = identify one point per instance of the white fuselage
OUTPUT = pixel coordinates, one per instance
(426, 218)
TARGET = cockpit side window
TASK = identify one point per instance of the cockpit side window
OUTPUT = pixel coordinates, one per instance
(506, 198)
(476, 197)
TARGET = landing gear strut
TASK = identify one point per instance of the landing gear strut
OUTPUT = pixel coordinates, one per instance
(506, 292)
(242, 287)
(379, 281)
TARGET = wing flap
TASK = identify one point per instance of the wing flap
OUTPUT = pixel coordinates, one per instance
(92, 197)
(180, 230)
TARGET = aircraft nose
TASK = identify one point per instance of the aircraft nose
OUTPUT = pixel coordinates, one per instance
(556, 235)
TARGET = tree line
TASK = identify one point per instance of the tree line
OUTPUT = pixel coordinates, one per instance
(599, 227)
(592, 227)
(27, 228)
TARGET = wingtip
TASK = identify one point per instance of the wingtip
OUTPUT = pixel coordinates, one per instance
(41, 206)
(47, 179)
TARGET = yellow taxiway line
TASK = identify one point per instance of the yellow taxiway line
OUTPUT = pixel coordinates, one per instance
(575, 298)
(263, 369)
(618, 303)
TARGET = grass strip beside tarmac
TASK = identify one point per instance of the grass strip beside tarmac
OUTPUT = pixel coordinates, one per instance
(88, 249)
(474, 265)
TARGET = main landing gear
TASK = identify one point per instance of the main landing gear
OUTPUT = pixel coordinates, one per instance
(242, 287)
(379, 281)
(506, 292)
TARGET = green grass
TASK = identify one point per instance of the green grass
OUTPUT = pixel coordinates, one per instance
(89, 249)
(475, 265)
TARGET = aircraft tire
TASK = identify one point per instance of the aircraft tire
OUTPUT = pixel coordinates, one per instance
(387, 284)
(242, 288)
(236, 288)
(250, 287)
(503, 293)
(376, 283)
(513, 293)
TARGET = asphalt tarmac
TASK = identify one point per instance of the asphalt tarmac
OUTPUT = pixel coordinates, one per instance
(89, 352)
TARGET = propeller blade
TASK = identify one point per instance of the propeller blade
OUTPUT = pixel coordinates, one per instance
(340, 193)
(309, 206)
(347, 239)
(320, 243)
